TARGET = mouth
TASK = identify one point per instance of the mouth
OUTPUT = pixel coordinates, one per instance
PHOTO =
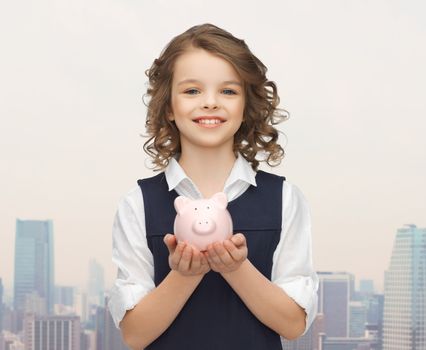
(206, 120)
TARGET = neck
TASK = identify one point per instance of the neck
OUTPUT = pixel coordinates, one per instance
(207, 168)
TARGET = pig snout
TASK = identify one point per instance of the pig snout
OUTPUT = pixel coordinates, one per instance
(203, 226)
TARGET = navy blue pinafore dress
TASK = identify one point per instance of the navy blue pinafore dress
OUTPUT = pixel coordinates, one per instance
(214, 317)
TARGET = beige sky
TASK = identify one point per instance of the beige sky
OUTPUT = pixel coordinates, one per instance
(351, 74)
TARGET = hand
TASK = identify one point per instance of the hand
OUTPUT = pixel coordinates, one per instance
(227, 256)
(184, 258)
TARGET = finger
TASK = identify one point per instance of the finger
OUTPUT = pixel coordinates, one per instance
(233, 251)
(166, 241)
(185, 261)
(208, 258)
(223, 254)
(196, 260)
(203, 259)
(205, 267)
(238, 239)
(170, 241)
(204, 264)
(213, 257)
(177, 254)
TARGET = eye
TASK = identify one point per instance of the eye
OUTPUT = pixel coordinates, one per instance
(191, 91)
(208, 207)
(229, 92)
(195, 208)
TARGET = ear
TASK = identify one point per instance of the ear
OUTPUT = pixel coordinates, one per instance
(180, 204)
(171, 117)
(220, 199)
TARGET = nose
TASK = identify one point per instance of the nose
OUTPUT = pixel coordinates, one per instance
(210, 102)
(210, 106)
(203, 226)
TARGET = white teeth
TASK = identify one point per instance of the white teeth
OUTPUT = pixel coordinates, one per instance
(209, 121)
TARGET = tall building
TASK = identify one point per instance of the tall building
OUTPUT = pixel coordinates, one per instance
(374, 305)
(111, 336)
(10, 320)
(108, 337)
(64, 295)
(347, 343)
(51, 332)
(33, 303)
(366, 286)
(87, 340)
(81, 305)
(34, 264)
(1, 305)
(334, 294)
(358, 318)
(96, 284)
(404, 315)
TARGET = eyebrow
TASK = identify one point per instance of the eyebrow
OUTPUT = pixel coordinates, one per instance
(227, 82)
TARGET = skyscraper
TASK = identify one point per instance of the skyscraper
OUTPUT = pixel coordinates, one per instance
(34, 263)
(404, 315)
(1, 305)
(64, 295)
(358, 318)
(52, 332)
(334, 293)
(366, 286)
(95, 284)
(111, 336)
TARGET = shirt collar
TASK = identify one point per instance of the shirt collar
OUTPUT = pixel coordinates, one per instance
(241, 171)
(174, 173)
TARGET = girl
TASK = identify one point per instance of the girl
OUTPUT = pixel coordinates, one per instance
(211, 112)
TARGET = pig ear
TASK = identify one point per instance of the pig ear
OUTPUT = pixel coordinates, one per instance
(180, 203)
(220, 199)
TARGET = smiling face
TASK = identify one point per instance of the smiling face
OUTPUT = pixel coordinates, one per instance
(207, 100)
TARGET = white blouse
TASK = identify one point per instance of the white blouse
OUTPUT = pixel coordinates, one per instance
(292, 268)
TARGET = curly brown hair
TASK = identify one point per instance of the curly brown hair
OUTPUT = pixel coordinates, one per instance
(256, 133)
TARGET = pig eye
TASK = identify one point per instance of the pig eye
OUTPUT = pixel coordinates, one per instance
(195, 208)
(208, 207)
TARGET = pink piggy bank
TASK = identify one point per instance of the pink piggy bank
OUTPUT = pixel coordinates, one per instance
(202, 221)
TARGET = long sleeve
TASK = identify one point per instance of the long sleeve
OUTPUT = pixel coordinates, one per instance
(292, 261)
(131, 255)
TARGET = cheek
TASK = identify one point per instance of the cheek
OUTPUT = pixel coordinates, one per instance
(239, 106)
(184, 106)
(239, 110)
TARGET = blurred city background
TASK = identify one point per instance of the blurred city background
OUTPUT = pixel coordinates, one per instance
(43, 315)
(351, 74)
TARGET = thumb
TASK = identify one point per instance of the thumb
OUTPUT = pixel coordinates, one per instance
(238, 239)
(170, 242)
